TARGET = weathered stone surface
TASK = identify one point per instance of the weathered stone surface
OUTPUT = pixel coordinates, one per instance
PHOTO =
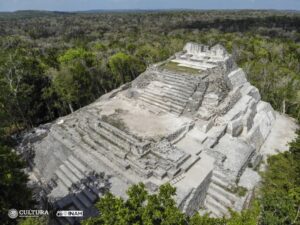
(237, 78)
(197, 131)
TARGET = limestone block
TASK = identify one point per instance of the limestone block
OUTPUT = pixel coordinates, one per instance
(264, 118)
(238, 109)
(206, 126)
(265, 106)
(211, 99)
(193, 48)
(237, 78)
(235, 127)
(249, 116)
(256, 159)
(255, 137)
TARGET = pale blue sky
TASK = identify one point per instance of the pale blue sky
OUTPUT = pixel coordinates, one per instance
(74, 5)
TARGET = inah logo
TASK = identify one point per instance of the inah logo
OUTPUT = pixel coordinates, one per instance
(13, 213)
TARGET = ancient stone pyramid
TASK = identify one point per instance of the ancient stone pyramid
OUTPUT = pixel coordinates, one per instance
(193, 120)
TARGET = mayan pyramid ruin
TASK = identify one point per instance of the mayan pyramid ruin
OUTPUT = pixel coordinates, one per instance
(193, 120)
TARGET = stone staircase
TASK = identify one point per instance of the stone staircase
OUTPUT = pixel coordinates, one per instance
(69, 176)
(173, 95)
(219, 198)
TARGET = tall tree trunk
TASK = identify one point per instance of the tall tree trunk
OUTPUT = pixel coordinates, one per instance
(71, 107)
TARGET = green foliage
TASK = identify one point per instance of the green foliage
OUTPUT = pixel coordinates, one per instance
(54, 63)
(34, 221)
(74, 54)
(13, 190)
(280, 201)
(124, 67)
(140, 208)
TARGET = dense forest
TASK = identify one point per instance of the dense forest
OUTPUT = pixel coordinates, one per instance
(53, 63)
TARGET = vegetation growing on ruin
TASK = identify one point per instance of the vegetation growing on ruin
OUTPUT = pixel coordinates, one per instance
(173, 66)
(54, 63)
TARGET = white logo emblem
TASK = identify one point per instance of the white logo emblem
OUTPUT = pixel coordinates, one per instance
(13, 213)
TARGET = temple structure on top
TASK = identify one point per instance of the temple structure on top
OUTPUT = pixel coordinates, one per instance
(193, 120)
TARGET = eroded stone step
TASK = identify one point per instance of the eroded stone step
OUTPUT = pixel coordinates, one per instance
(90, 195)
(78, 204)
(69, 174)
(75, 162)
(223, 192)
(84, 200)
(158, 98)
(61, 221)
(180, 79)
(187, 93)
(113, 139)
(219, 181)
(97, 141)
(100, 152)
(158, 105)
(164, 93)
(218, 207)
(63, 178)
(179, 84)
(190, 162)
(162, 104)
(77, 172)
(166, 97)
(220, 198)
(220, 175)
(176, 76)
(176, 93)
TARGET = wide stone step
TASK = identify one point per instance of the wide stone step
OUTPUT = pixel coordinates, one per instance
(63, 178)
(84, 200)
(91, 156)
(220, 175)
(190, 162)
(173, 95)
(100, 152)
(90, 195)
(175, 76)
(218, 207)
(223, 192)
(187, 85)
(168, 105)
(62, 221)
(121, 134)
(176, 93)
(179, 100)
(97, 141)
(113, 139)
(69, 174)
(158, 105)
(75, 162)
(219, 182)
(180, 78)
(159, 97)
(78, 204)
(179, 84)
(70, 220)
(220, 198)
(182, 91)
(76, 171)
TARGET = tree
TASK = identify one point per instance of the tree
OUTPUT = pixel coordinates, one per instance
(124, 67)
(14, 193)
(140, 208)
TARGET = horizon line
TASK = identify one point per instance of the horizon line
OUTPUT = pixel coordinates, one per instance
(141, 9)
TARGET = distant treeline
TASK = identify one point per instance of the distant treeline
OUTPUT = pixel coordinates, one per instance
(53, 63)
